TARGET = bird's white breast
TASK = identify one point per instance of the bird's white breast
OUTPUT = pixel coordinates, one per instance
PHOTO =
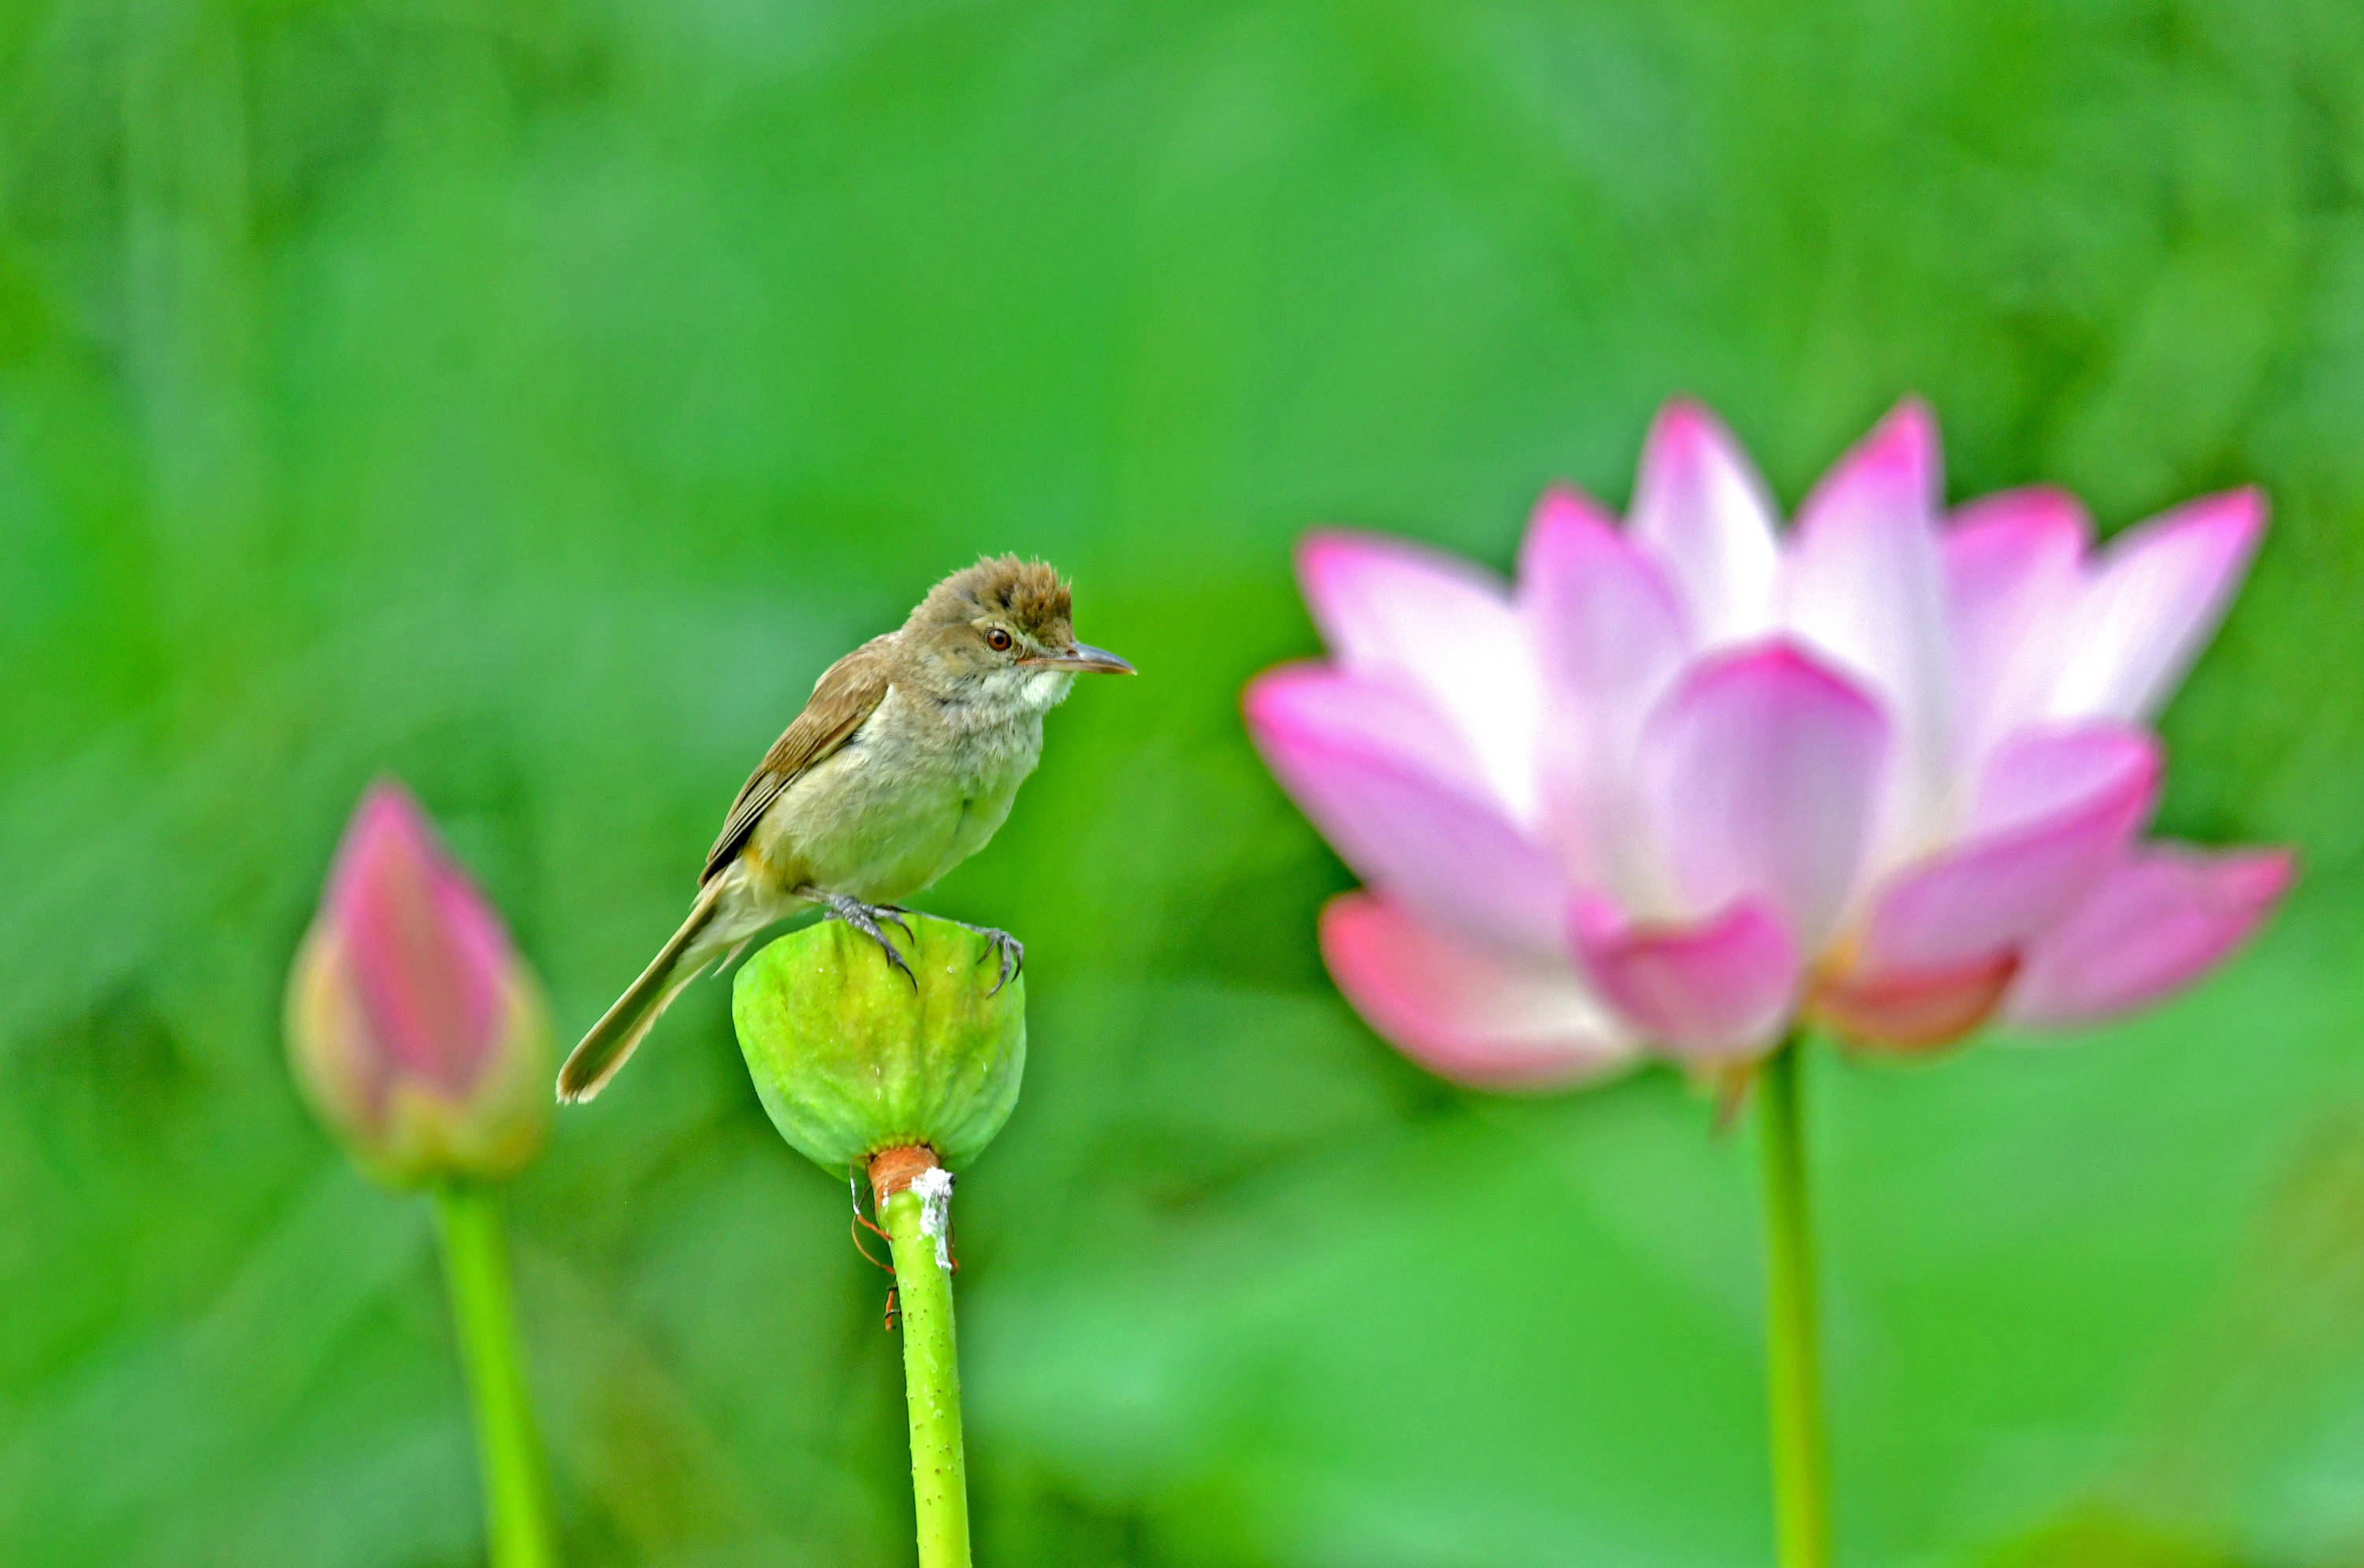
(919, 787)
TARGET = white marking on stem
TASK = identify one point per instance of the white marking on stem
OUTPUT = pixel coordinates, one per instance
(934, 1186)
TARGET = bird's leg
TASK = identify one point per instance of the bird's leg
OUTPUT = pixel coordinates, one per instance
(868, 919)
(1011, 951)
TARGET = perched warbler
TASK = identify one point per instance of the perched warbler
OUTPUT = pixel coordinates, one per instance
(901, 766)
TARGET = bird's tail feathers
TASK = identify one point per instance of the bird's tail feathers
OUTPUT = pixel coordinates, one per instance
(612, 1040)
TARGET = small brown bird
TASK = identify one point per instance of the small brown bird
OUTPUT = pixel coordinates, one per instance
(901, 766)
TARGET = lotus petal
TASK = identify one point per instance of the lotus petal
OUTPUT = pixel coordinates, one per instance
(1445, 631)
(2156, 593)
(1361, 758)
(1700, 510)
(2167, 916)
(1465, 1013)
(1761, 773)
(1717, 989)
(2054, 814)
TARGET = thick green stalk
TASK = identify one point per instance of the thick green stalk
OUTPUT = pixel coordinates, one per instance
(931, 1374)
(1801, 1518)
(475, 1264)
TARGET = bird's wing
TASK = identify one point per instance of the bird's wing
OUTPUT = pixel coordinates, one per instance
(847, 692)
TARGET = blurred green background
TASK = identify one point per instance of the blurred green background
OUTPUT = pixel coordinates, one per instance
(528, 398)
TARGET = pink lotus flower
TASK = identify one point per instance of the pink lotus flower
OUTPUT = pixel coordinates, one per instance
(1691, 781)
(413, 1025)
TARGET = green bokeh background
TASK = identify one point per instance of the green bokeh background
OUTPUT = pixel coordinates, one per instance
(528, 398)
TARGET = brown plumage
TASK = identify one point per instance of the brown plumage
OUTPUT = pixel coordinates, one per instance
(847, 692)
(902, 764)
(1028, 592)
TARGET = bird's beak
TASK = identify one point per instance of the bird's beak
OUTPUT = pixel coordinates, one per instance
(1083, 656)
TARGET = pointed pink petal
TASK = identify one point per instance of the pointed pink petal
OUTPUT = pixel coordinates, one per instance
(1718, 989)
(2054, 813)
(1363, 761)
(1609, 635)
(1473, 1017)
(1699, 508)
(427, 958)
(2156, 595)
(2013, 570)
(1864, 586)
(1761, 772)
(1919, 1011)
(1369, 715)
(2043, 773)
(1607, 626)
(2163, 917)
(1442, 630)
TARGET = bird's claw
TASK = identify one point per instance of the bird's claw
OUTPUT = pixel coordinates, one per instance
(1011, 951)
(1013, 957)
(870, 919)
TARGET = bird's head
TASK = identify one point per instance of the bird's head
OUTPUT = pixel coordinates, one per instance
(1006, 623)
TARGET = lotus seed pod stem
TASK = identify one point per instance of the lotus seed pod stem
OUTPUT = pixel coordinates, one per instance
(917, 1208)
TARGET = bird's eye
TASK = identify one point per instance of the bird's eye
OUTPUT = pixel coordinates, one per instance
(996, 639)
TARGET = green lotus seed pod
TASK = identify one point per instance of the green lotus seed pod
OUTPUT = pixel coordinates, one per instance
(849, 1058)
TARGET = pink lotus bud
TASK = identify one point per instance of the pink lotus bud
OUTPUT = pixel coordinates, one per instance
(415, 1029)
